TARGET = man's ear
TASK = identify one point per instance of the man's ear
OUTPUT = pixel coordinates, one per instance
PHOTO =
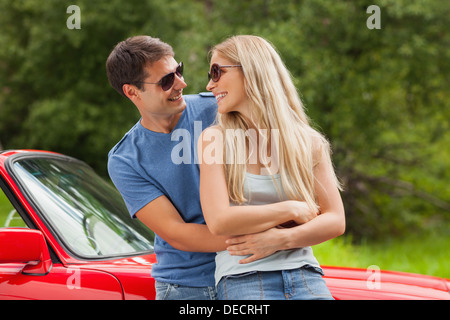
(131, 91)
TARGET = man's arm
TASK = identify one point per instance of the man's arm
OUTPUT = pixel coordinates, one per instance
(162, 218)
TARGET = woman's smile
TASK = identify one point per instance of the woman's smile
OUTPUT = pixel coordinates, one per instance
(220, 96)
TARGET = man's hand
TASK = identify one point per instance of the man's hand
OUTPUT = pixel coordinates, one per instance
(257, 245)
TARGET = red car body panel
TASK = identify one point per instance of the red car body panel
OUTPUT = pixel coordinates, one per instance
(130, 277)
(354, 283)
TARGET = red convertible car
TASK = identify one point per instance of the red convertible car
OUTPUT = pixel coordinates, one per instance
(66, 234)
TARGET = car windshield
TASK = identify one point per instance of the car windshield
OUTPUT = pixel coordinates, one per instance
(87, 214)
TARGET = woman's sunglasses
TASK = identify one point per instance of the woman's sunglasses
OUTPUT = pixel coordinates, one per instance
(167, 81)
(215, 72)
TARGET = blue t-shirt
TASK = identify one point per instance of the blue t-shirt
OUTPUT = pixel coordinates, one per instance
(145, 165)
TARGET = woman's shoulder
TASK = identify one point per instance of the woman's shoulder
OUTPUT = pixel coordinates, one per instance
(210, 135)
(212, 130)
(319, 146)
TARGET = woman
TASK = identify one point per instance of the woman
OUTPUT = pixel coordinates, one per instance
(260, 159)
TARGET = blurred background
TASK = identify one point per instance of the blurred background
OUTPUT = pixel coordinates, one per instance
(381, 96)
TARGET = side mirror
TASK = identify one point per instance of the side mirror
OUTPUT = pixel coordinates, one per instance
(20, 245)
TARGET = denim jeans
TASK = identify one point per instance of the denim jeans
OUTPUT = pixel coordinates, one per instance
(304, 283)
(168, 291)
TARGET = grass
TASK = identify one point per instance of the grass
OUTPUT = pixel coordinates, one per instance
(5, 208)
(425, 254)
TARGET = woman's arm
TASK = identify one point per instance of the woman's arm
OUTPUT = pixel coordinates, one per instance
(329, 224)
(223, 219)
(331, 221)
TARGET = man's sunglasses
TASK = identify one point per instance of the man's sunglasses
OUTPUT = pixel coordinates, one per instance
(167, 81)
(215, 72)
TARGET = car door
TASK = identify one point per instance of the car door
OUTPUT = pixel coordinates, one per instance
(60, 283)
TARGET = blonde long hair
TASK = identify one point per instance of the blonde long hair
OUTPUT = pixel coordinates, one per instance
(275, 104)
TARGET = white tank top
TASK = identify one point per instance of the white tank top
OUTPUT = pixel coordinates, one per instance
(260, 189)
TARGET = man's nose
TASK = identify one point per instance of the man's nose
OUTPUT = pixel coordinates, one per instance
(179, 83)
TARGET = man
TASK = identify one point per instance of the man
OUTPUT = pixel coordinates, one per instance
(160, 193)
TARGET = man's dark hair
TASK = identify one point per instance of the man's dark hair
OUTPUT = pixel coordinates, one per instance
(126, 63)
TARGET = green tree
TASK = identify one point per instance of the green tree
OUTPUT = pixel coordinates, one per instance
(381, 96)
(54, 91)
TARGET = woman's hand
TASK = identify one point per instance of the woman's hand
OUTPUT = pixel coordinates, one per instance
(302, 213)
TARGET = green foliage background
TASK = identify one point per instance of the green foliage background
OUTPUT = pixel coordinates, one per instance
(381, 96)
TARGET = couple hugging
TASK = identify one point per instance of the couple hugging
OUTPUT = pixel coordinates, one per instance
(238, 220)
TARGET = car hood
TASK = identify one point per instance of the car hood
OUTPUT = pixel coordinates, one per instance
(372, 283)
